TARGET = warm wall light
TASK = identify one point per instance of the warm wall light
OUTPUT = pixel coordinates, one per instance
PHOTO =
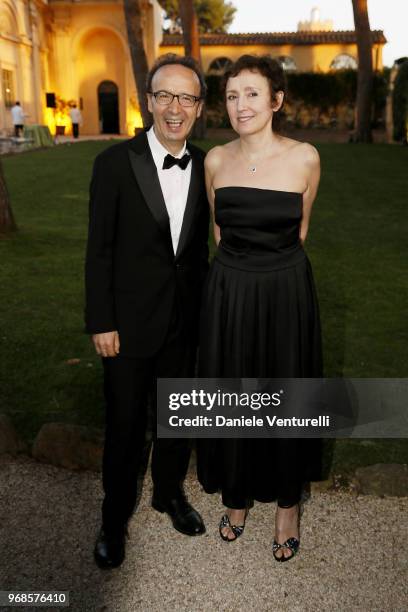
(138, 122)
(134, 121)
(52, 121)
(134, 118)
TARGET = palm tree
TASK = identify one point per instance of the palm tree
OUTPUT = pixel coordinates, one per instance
(365, 71)
(7, 223)
(189, 23)
(133, 17)
(191, 41)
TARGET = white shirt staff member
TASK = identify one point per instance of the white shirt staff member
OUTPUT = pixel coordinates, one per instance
(17, 116)
(76, 118)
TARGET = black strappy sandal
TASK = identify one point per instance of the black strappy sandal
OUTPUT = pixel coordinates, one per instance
(291, 543)
(237, 530)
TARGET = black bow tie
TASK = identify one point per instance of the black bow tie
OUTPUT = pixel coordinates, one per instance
(170, 161)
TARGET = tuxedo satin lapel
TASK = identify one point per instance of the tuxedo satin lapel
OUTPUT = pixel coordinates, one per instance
(144, 169)
(191, 204)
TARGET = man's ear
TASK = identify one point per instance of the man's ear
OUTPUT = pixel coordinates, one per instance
(149, 103)
(200, 108)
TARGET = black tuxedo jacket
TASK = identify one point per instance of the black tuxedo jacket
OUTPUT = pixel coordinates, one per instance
(132, 276)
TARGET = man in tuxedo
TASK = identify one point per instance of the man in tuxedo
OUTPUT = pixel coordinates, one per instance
(146, 261)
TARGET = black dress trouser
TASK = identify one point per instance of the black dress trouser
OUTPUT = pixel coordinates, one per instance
(127, 383)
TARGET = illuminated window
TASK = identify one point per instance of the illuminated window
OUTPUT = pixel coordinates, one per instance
(344, 62)
(287, 63)
(8, 88)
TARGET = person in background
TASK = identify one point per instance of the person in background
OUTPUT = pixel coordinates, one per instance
(17, 115)
(76, 118)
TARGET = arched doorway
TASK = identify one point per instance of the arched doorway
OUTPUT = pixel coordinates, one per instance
(99, 55)
(108, 104)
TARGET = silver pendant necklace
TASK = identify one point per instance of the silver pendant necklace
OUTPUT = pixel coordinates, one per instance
(252, 167)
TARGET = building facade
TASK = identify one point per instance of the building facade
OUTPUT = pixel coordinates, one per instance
(78, 51)
(304, 51)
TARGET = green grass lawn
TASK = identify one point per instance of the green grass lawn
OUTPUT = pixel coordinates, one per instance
(357, 245)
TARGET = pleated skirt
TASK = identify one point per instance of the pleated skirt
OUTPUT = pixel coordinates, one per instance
(259, 323)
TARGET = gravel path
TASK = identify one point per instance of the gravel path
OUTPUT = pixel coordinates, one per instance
(353, 551)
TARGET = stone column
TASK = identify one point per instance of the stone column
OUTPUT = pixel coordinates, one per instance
(63, 70)
(26, 83)
(35, 62)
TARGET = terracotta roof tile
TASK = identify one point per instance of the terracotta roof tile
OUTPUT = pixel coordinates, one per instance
(275, 38)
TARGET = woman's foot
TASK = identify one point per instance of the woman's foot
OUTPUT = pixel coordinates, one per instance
(286, 542)
(232, 524)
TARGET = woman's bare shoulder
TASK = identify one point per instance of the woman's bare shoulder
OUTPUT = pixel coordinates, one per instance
(216, 156)
(310, 153)
(301, 153)
(305, 152)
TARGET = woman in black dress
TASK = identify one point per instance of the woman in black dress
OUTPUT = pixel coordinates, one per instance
(260, 314)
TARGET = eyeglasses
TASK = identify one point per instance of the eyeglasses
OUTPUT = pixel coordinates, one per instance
(165, 98)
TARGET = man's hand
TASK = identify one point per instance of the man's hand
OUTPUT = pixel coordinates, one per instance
(107, 344)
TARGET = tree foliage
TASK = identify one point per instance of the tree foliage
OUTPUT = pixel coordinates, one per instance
(213, 15)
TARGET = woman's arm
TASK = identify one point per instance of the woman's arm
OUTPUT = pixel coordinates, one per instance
(312, 166)
(211, 164)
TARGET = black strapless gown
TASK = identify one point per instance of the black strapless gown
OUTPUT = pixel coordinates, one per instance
(260, 318)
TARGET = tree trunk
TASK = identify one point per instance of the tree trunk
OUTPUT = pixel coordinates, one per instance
(191, 40)
(7, 223)
(365, 71)
(189, 24)
(133, 17)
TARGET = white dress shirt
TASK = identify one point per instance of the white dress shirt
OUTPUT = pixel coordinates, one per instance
(76, 115)
(17, 115)
(174, 183)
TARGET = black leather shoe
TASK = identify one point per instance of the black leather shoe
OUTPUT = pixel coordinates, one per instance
(109, 549)
(183, 516)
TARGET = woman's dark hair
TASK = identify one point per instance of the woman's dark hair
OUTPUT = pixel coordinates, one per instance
(267, 67)
(171, 59)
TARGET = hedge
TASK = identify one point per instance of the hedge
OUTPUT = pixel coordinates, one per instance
(315, 90)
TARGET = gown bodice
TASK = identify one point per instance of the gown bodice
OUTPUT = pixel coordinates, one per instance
(259, 227)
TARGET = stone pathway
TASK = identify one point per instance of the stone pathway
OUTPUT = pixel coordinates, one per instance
(353, 551)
